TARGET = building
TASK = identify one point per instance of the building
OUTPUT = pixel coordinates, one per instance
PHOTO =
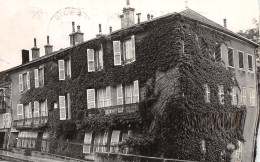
(162, 87)
(5, 110)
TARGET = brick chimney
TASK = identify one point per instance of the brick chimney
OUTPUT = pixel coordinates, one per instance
(35, 51)
(25, 56)
(48, 47)
(76, 37)
(128, 17)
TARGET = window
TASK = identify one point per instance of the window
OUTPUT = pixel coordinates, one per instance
(234, 96)
(252, 96)
(132, 92)
(64, 68)
(207, 93)
(65, 107)
(104, 97)
(39, 77)
(250, 62)
(95, 59)
(2, 99)
(230, 57)
(20, 111)
(114, 140)
(241, 59)
(239, 152)
(221, 94)
(88, 141)
(243, 96)
(28, 111)
(218, 53)
(7, 120)
(44, 108)
(24, 81)
(128, 52)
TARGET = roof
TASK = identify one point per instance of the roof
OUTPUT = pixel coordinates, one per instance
(188, 13)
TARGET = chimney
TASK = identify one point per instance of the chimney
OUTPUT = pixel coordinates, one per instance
(76, 37)
(225, 22)
(35, 51)
(138, 15)
(48, 47)
(110, 29)
(128, 17)
(25, 56)
(148, 17)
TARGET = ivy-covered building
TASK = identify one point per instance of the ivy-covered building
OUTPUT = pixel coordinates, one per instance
(177, 86)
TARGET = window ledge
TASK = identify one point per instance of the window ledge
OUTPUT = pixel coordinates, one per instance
(251, 71)
(231, 67)
(240, 69)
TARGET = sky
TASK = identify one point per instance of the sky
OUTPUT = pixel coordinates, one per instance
(24, 20)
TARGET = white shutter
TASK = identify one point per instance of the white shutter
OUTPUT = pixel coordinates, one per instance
(87, 140)
(69, 106)
(91, 98)
(36, 78)
(61, 70)
(26, 110)
(42, 76)
(136, 92)
(69, 67)
(36, 109)
(108, 96)
(133, 47)
(101, 57)
(46, 107)
(20, 111)
(4, 117)
(62, 104)
(119, 90)
(30, 110)
(114, 140)
(28, 80)
(21, 82)
(8, 120)
(90, 55)
(117, 52)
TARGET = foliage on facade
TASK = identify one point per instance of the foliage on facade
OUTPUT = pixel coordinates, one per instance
(162, 45)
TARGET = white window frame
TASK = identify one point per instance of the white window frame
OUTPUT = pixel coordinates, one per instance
(87, 140)
(207, 93)
(62, 106)
(101, 98)
(220, 94)
(117, 54)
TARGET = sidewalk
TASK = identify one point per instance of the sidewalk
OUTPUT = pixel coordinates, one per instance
(27, 158)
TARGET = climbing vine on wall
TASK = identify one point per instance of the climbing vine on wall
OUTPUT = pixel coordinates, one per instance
(161, 45)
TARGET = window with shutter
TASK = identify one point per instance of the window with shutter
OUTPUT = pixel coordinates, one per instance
(101, 98)
(250, 62)
(36, 112)
(207, 93)
(128, 94)
(62, 104)
(108, 96)
(136, 92)
(221, 94)
(241, 59)
(90, 55)
(20, 111)
(218, 53)
(243, 96)
(36, 78)
(91, 98)
(133, 48)
(119, 90)
(28, 80)
(25, 82)
(21, 82)
(69, 105)
(26, 111)
(68, 67)
(99, 58)
(114, 141)
(43, 107)
(230, 57)
(41, 76)
(61, 70)
(117, 53)
(87, 140)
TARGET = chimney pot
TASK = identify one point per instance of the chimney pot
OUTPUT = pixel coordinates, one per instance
(48, 47)
(35, 51)
(148, 16)
(151, 16)
(100, 31)
(48, 42)
(73, 26)
(35, 42)
(110, 29)
(78, 29)
(225, 22)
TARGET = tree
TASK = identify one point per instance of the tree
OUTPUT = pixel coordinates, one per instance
(252, 34)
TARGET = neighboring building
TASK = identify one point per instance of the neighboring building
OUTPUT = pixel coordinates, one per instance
(107, 89)
(5, 110)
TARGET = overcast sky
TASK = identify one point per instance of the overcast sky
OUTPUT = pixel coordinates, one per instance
(23, 20)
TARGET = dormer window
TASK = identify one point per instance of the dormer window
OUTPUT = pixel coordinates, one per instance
(128, 51)
(95, 59)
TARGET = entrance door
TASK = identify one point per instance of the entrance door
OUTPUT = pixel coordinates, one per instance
(2, 139)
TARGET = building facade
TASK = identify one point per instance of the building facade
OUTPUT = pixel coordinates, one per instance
(147, 89)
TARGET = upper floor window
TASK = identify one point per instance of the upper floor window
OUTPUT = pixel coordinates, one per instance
(207, 93)
(230, 57)
(221, 94)
(65, 107)
(217, 53)
(250, 62)
(3, 98)
(64, 68)
(39, 77)
(24, 81)
(28, 111)
(241, 59)
(6, 120)
(128, 54)
(95, 59)
(132, 92)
